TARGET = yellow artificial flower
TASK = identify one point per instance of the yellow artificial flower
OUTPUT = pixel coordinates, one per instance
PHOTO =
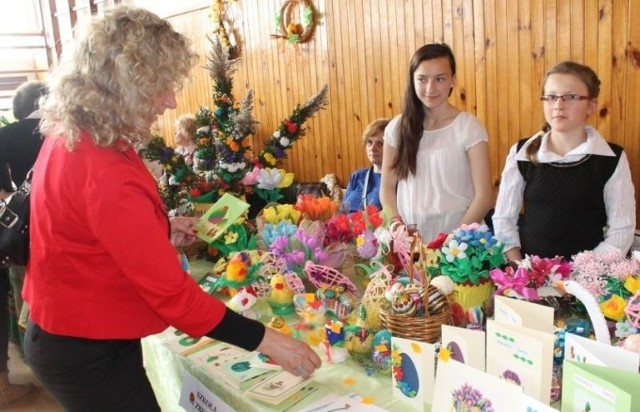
(360, 240)
(614, 308)
(268, 157)
(270, 215)
(287, 179)
(632, 283)
(230, 237)
(432, 257)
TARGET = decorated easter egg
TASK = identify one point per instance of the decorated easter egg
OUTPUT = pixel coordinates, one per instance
(403, 304)
(381, 348)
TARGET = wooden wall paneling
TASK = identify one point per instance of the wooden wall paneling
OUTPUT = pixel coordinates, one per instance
(337, 93)
(463, 88)
(551, 31)
(603, 68)
(527, 105)
(360, 90)
(539, 66)
(576, 29)
(496, 140)
(619, 15)
(502, 68)
(325, 118)
(388, 55)
(368, 66)
(422, 22)
(513, 72)
(563, 30)
(437, 17)
(351, 78)
(632, 107)
(398, 48)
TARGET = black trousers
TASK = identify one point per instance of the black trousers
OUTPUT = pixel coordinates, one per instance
(90, 375)
(4, 318)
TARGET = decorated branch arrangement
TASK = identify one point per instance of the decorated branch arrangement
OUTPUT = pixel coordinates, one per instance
(227, 162)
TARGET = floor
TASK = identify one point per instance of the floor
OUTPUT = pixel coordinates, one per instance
(38, 400)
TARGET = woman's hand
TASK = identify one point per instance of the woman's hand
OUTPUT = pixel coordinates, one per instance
(296, 357)
(183, 231)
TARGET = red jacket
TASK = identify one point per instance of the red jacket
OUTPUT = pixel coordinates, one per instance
(101, 264)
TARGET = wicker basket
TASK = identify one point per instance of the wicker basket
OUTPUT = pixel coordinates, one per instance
(437, 311)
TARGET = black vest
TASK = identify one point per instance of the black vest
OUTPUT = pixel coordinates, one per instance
(564, 211)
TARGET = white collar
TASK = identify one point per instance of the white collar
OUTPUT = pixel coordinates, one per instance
(594, 145)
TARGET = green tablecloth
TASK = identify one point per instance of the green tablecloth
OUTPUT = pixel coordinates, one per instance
(166, 368)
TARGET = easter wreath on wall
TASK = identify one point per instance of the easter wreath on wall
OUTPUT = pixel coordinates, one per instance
(291, 30)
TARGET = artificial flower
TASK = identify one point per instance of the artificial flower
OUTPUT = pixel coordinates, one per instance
(632, 284)
(613, 308)
(470, 252)
(251, 178)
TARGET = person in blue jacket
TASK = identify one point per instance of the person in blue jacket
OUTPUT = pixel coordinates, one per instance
(364, 184)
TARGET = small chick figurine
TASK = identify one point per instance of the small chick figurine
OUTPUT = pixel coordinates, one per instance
(244, 303)
(277, 322)
(281, 297)
(238, 267)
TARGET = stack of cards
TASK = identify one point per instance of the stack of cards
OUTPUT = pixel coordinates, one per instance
(277, 388)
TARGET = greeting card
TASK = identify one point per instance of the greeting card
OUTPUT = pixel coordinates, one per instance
(523, 313)
(461, 388)
(521, 356)
(580, 349)
(594, 388)
(213, 357)
(412, 371)
(333, 402)
(219, 217)
(464, 345)
(239, 370)
(528, 404)
(276, 389)
(182, 343)
(208, 283)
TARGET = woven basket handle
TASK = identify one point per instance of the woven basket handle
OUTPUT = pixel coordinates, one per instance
(417, 246)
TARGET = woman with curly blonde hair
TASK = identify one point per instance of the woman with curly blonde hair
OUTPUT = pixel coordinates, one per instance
(103, 271)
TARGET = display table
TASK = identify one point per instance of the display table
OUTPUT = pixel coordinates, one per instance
(166, 368)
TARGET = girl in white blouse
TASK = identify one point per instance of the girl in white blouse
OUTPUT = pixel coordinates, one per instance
(435, 163)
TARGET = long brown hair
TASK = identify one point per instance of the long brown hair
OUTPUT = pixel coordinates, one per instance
(586, 75)
(411, 126)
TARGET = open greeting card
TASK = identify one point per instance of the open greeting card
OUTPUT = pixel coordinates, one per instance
(461, 388)
(523, 313)
(464, 345)
(412, 371)
(219, 217)
(593, 388)
(521, 356)
(585, 350)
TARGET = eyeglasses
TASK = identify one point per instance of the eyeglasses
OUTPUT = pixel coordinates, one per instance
(567, 98)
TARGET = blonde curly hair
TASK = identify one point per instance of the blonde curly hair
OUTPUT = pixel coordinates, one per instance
(109, 83)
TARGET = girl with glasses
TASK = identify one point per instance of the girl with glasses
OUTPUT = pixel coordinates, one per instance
(565, 189)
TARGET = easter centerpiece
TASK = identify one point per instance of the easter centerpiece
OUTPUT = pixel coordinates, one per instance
(468, 256)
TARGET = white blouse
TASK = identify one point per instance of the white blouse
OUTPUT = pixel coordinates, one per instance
(619, 195)
(439, 194)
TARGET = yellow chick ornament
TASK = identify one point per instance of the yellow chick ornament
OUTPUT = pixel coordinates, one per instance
(280, 297)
